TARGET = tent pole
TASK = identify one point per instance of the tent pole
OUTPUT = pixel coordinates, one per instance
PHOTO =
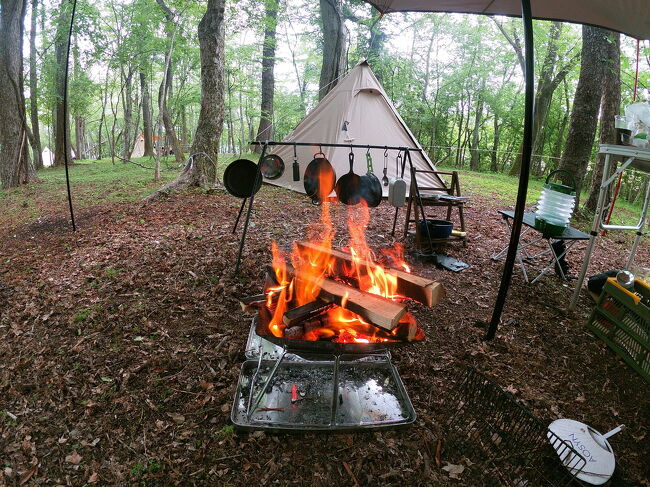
(523, 173)
(66, 122)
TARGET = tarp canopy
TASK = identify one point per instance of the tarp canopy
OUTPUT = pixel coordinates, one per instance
(631, 17)
(356, 111)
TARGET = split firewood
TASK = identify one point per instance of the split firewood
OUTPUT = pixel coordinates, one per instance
(377, 310)
(305, 312)
(252, 304)
(415, 287)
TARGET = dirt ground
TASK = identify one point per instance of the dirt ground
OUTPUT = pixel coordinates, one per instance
(121, 346)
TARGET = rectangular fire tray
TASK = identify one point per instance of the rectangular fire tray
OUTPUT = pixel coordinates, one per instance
(318, 393)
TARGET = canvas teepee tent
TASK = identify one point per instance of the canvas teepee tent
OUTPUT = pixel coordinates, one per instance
(356, 111)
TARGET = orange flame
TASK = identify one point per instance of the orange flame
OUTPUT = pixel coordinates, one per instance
(311, 267)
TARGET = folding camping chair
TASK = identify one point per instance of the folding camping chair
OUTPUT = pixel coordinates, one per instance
(447, 196)
(556, 245)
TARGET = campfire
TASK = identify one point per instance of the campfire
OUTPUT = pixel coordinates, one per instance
(347, 295)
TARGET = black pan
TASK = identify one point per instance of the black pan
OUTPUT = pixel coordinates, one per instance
(370, 185)
(319, 169)
(272, 167)
(348, 187)
(239, 178)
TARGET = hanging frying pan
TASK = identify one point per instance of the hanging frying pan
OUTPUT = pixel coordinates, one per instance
(370, 189)
(240, 177)
(348, 187)
(272, 167)
(319, 172)
(397, 186)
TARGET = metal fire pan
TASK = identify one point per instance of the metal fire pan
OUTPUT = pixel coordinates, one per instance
(324, 346)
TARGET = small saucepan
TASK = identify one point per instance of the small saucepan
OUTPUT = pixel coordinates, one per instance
(240, 177)
(272, 167)
(319, 178)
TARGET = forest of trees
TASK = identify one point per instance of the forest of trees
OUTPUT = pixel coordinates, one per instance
(144, 67)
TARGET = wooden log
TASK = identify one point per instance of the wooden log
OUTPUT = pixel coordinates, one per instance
(252, 304)
(306, 311)
(415, 287)
(376, 310)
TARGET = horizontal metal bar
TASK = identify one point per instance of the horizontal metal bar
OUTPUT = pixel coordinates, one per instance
(354, 146)
(621, 227)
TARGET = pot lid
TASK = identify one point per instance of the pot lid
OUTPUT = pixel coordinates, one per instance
(589, 443)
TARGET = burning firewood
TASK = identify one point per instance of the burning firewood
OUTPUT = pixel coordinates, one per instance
(252, 304)
(304, 312)
(377, 310)
(417, 288)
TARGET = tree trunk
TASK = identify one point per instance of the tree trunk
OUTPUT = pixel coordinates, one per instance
(165, 85)
(61, 127)
(102, 118)
(127, 105)
(146, 116)
(166, 116)
(33, 90)
(334, 32)
(80, 135)
(586, 104)
(265, 131)
(201, 169)
(494, 166)
(475, 159)
(546, 86)
(15, 168)
(611, 104)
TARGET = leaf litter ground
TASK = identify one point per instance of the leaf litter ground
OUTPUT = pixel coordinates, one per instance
(121, 344)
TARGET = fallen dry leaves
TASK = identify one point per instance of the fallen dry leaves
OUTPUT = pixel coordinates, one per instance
(120, 349)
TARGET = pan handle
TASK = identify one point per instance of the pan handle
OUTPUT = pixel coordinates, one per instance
(351, 158)
(296, 166)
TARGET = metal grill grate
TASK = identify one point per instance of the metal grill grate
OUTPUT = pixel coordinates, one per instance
(503, 441)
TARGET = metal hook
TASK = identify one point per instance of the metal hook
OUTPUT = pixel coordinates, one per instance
(385, 151)
(295, 154)
(368, 151)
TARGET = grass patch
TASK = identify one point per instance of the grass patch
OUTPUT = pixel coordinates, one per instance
(92, 182)
(95, 182)
(503, 188)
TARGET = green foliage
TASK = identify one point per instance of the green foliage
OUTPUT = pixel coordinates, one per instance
(150, 466)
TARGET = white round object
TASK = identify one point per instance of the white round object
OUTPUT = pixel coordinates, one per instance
(590, 444)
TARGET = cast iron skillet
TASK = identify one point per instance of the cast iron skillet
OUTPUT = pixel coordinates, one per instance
(272, 167)
(348, 187)
(240, 177)
(370, 185)
(319, 170)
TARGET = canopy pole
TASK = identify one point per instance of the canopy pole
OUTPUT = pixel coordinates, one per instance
(65, 115)
(320, 145)
(523, 173)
